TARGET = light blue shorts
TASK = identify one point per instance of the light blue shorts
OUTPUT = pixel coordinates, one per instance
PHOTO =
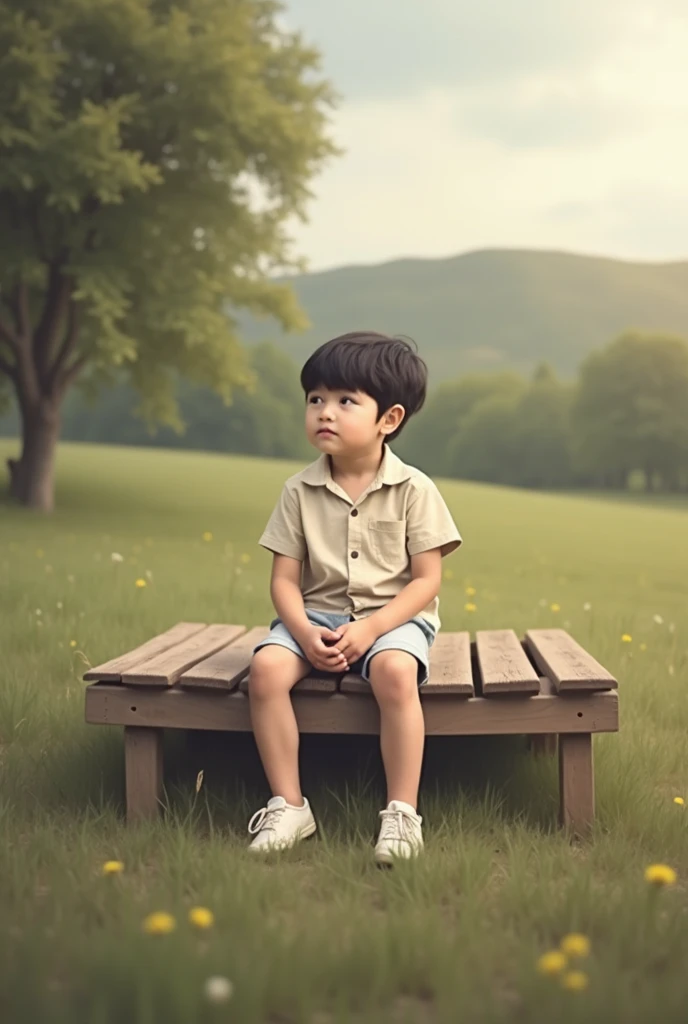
(415, 637)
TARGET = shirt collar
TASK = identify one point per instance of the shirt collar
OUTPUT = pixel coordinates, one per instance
(392, 471)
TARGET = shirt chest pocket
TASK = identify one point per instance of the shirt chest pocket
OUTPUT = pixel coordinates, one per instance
(388, 542)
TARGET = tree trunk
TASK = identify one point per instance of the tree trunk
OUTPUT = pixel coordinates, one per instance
(32, 477)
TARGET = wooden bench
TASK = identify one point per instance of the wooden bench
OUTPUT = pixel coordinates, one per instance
(194, 676)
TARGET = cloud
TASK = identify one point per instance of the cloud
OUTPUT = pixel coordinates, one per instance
(383, 48)
(551, 114)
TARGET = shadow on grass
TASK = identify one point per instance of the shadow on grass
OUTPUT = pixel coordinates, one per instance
(477, 778)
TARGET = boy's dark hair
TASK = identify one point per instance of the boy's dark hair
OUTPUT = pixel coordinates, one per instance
(388, 369)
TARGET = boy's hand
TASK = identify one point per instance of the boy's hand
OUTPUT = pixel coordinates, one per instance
(356, 638)
(318, 644)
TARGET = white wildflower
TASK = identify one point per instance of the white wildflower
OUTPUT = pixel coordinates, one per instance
(218, 989)
(658, 619)
(116, 557)
(587, 606)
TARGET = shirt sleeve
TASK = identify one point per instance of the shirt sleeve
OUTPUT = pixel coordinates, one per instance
(283, 534)
(429, 523)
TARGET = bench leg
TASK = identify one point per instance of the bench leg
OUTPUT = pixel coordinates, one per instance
(576, 782)
(143, 771)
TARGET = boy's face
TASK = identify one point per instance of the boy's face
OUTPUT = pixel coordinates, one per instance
(344, 422)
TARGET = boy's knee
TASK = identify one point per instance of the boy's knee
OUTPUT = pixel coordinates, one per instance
(394, 676)
(270, 666)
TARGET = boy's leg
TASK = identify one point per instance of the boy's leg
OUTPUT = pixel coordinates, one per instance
(274, 671)
(394, 681)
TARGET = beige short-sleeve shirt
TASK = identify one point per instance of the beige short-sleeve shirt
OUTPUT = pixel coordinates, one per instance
(356, 555)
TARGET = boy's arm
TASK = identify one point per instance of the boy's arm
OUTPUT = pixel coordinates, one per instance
(426, 573)
(426, 579)
(285, 591)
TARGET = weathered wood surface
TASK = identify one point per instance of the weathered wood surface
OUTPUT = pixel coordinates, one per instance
(168, 667)
(559, 657)
(504, 666)
(224, 669)
(143, 770)
(111, 671)
(180, 708)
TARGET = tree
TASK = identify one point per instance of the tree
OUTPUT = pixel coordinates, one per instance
(428, 439)
(152, 155)
(631, 412)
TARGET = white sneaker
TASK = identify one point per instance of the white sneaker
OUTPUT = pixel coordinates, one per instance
(400, 833)
(279, 825)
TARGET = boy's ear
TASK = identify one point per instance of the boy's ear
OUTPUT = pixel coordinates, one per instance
(391, 420)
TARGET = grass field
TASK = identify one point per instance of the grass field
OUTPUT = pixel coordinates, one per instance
(322, 936)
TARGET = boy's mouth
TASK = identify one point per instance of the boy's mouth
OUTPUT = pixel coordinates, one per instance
(326, 432)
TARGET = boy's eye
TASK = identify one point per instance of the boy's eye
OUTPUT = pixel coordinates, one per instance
(313, 399)
(346, 399)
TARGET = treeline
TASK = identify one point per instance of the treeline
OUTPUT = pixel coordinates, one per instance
(622, 423)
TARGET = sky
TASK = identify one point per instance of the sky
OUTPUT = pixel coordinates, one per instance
(512, 124)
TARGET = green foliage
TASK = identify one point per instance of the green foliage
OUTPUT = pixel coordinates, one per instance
(151, 155)
(631, 411)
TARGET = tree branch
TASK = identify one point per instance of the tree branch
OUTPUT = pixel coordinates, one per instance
(9, 369)
(73, 371)
(9, 337)
(68, 343)
(58, 295)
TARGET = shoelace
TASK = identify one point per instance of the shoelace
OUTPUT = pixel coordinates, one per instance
(265, 818)
(396, 825)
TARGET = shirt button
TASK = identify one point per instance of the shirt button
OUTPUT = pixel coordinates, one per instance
(354, 512)
(354, 554)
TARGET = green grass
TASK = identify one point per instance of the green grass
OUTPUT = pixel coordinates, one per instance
(321, 935)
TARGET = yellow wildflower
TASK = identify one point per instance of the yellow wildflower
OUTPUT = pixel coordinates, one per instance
(207, 536)
(643, 647)
(201, 918)
(72, 643)
(470, 607)
(553, 962)
(448, 574)
(159, 923)
(575, 981)
(471, 591)
(113, 867)
(555, 608)
(660, 874)
(626, 638)
(680, 801)
(575, 945)
(245, 558)
(140, 583)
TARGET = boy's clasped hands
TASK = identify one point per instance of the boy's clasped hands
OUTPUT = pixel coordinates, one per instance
(335, 651)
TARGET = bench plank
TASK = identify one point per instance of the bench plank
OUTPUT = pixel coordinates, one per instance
(450, 668)
(179, 708)
(450, 665)
(565, 662)
(111, 671)
(504, 665)
(224, 669)
(167, 668)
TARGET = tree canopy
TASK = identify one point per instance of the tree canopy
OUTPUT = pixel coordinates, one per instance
(152, 157)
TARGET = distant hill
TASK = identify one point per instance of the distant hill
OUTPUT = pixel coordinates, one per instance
(490, 309)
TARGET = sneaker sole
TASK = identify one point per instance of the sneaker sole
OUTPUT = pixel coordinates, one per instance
(387, 859)
(304, 833)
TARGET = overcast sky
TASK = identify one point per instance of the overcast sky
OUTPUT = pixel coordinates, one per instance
(519, 123)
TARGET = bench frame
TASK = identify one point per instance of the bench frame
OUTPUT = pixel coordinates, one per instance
(559, 714)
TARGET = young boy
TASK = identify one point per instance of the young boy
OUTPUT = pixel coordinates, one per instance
(357, 538)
